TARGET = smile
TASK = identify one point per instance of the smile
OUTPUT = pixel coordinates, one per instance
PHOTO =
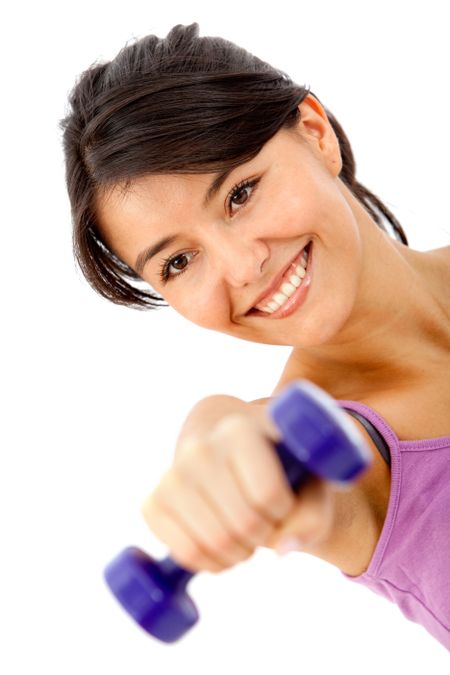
(292, 290)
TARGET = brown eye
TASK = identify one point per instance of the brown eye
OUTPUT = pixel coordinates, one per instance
(175, 262)
(238, 191)
(175, 266)
(238, 196)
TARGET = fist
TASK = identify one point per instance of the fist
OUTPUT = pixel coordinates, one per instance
(226, 492)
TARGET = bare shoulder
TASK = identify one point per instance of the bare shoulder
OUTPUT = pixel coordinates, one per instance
(444, 254)
(293, 370)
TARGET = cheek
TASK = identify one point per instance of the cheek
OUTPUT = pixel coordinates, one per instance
(301, 206)
(201, 307)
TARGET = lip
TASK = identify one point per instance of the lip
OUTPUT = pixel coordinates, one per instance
(276, 282)
(296, 299)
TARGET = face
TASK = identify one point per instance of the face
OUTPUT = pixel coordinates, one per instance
(227, 254)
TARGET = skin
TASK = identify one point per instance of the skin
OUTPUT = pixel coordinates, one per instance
(223, 432)
(375, 313)
(372, 305)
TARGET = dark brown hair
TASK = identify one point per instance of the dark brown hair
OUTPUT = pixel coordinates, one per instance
(182, 104)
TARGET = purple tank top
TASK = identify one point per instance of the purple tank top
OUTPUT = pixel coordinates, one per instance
(411, 562)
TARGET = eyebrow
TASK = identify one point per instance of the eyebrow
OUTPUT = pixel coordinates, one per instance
(163, 243)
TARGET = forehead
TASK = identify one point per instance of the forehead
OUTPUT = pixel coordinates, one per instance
(147, 199)
(159, 189)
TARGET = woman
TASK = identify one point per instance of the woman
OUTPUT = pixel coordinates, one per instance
(230, 191)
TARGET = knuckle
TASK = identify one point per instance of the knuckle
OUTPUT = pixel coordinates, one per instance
(229, 548)
(167, 487)
(281, 502)
(271, 495)
(230, 423)
(223, 542)
(251, 524)
(191, 452)
(148, 508)
(269, 537)
(268, 499)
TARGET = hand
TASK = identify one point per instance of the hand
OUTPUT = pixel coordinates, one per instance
(226, 492)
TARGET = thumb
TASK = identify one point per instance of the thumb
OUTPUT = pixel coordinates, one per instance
(310, 522)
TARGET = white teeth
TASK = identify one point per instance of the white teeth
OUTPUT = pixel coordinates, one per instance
(287, 288)
(280, 298)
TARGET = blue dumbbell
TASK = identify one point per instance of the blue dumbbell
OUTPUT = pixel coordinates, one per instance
(318, 440)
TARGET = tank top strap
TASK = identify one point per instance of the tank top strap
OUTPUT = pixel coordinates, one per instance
(373, 433)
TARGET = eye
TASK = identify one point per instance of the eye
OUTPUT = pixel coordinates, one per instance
(239, 190)
(174, 261)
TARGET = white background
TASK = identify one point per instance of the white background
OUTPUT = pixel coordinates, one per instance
(94, 395)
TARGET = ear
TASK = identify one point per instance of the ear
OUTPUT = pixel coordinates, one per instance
(316, 130)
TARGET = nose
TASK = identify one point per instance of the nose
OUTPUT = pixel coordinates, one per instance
(239, 261)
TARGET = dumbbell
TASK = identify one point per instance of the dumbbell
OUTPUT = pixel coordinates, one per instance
(317, 440)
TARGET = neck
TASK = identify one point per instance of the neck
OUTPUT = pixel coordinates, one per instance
(399, 330)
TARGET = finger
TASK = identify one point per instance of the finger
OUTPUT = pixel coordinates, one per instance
(199, 519)
(183, 549)
(218, 485)
(315, 513)
(256, 467)
(312, 519)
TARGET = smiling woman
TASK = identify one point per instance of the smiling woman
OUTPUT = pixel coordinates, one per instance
(228, 190)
